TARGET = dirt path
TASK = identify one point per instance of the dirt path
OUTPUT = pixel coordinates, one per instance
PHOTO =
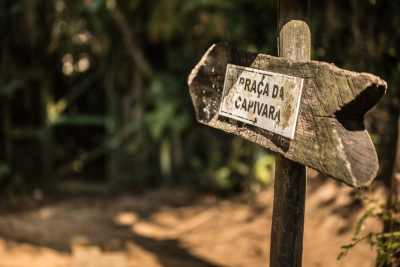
(169, 228)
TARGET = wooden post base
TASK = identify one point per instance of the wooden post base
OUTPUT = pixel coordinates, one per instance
(288, 213)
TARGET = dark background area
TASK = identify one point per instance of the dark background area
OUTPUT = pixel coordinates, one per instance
(96, 90)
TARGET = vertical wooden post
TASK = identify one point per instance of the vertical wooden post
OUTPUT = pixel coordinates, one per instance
(294, 43)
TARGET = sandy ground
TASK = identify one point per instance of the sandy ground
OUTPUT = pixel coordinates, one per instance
(175, 229)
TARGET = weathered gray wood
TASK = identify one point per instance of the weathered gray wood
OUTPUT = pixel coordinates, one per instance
(294, 42)
(294, 36)
(330, 133)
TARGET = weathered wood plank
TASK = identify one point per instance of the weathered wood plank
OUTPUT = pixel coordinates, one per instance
(330, 134)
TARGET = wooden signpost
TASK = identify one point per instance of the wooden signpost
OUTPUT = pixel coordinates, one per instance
(311, 113)
(330, 135)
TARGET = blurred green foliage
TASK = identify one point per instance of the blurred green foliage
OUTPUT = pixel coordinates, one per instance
(10, 186)
(65, 43)
(385, 244)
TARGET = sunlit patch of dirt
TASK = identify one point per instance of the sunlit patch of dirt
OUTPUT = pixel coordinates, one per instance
(172, 229)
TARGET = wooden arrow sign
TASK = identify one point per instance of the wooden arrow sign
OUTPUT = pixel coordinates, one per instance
(311, 112)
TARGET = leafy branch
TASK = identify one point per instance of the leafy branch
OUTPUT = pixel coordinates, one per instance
(387, 245)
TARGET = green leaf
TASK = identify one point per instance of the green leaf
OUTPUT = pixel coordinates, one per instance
(396, 234)
(263, 169)
(4, 170)
(368, 213)
(347, 247)
(222, 178)
(384, 216)
(340, 256)
(360, 196)
(395, 245)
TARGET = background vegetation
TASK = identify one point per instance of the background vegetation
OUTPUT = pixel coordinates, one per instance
(96, 90)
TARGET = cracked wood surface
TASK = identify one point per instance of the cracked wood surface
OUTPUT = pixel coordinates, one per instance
(330, 133)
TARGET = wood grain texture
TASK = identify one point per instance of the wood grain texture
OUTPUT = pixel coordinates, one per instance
(288, 213)
(294, 43)
(330, 133)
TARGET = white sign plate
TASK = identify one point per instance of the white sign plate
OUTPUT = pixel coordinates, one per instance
(264, 99)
